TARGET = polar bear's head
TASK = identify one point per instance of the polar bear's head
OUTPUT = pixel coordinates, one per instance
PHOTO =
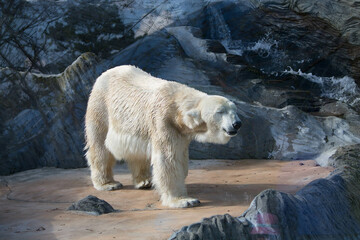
(218, 115)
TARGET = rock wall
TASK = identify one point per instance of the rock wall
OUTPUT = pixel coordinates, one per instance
(42, 117)
(291, 67)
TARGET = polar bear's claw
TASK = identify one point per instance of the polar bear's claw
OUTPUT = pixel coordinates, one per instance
(146, 184)
(193, 203)
(109, 186)
(184, 203)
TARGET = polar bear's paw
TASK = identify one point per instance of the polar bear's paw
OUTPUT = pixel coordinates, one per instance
(184, 203)
(109, 186)
(146, 184)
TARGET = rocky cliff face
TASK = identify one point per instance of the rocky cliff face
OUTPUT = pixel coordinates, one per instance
(292, 67)
(42, 116)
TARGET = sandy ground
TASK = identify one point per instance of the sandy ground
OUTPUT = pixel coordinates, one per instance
(33, 203)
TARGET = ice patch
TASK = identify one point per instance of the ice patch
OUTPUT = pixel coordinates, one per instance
(343, 89)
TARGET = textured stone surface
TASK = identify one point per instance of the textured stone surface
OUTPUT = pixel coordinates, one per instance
(343, 15)
(324, 209)
(217, 227)
(47, 36)
(92, 205)
(42, 117)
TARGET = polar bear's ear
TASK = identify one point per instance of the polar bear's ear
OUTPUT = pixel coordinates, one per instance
(192, 118)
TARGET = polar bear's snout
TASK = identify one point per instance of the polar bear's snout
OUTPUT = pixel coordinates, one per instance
(236, 125)
(233, 130)
(232, 125)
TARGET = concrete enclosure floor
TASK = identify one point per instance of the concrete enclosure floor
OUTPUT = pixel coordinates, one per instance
(33, 203)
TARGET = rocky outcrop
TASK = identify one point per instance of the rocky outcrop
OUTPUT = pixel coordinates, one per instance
(42, 117)
(217, 227)
(92, 205)
(342, 16)
(47, 36)
(324, 209)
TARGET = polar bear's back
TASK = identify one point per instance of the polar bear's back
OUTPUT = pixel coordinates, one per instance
(129, 95)
(129, 77)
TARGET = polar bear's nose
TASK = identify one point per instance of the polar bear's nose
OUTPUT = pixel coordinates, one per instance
(237, 125)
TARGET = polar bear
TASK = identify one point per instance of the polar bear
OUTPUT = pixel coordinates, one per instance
(149, 123)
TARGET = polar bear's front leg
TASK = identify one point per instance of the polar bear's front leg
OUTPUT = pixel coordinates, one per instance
(181, 202)
(169, 179)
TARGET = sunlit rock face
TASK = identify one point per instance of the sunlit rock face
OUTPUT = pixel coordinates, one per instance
(292, 68)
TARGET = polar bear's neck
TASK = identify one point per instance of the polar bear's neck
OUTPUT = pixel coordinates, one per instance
(187, 99)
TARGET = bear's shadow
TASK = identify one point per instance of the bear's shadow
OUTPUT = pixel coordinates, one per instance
(232, 194)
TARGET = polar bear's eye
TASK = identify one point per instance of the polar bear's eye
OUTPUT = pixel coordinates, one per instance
(220, 111)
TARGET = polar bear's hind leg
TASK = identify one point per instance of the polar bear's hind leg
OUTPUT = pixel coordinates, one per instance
(141, 172)
(101, 163)
(135, 151)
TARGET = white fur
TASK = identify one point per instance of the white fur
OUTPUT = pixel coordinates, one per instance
(147, 121)
(126, 146)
